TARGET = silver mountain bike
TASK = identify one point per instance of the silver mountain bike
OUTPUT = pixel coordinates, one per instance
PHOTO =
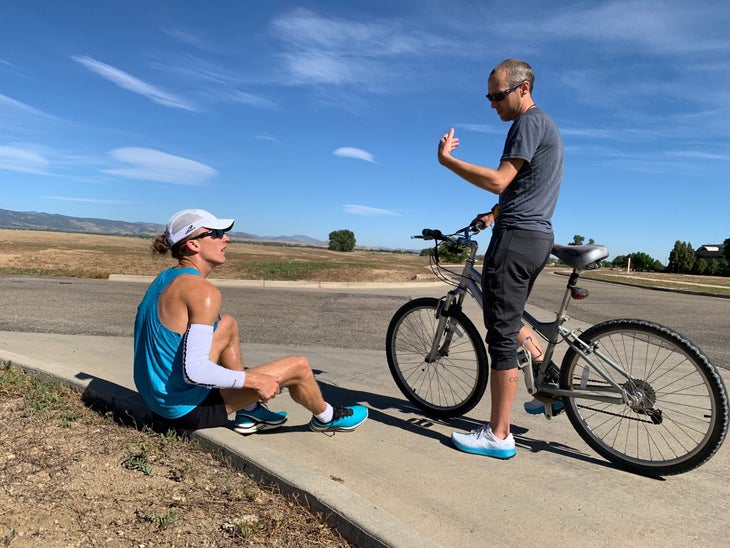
(640, 394)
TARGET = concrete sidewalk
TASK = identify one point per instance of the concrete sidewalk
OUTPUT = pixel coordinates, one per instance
(397, 481)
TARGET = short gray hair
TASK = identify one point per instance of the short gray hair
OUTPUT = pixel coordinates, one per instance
(517, 71)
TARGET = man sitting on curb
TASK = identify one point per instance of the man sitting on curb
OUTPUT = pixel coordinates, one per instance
(187, 357)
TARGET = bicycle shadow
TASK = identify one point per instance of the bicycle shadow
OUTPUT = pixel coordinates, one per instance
(411, 419)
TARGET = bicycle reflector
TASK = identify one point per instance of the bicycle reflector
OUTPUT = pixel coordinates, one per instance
(578, 293)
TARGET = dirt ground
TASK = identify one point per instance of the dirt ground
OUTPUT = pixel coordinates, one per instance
(72, 476)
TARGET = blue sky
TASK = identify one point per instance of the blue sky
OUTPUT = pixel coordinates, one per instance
(307, 117)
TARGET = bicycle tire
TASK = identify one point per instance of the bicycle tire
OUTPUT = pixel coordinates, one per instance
(680, 418)
(453, 384)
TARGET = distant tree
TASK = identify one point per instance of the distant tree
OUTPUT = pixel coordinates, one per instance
(342, 240)
(701, 266)
(724, 268)
(578, 240)
(714, 267)
(681, 258)
(642, 262)
(620, 261)
(447, 254)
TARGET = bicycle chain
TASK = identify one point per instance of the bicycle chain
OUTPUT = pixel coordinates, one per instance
(599, 381)
(614, 414)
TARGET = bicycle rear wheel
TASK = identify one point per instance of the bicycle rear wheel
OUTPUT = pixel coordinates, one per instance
(454, 382)
(679, 414)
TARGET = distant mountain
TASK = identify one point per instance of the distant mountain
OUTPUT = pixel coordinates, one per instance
(33, 220)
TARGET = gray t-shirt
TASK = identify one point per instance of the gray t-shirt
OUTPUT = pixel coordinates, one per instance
(529, 200)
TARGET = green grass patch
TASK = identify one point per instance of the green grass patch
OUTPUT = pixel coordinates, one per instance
(39, 395)
(294, 270)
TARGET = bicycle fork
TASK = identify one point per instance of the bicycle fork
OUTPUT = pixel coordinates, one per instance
(446, 327)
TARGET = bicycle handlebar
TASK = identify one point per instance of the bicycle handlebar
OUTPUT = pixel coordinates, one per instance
(436, 234)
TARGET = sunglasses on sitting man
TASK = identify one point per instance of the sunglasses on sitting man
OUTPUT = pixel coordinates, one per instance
(216, 234)
(497, 96)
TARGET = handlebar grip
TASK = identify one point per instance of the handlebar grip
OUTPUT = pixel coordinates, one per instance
(432, 234)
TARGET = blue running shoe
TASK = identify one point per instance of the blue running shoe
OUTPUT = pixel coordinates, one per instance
(483, 442)
(536, 407)
(248, 422)
(344, 419)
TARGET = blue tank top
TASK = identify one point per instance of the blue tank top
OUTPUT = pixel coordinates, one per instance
(158, 369)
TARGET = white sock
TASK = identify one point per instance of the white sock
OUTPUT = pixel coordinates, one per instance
(326, 415)
(251, 407)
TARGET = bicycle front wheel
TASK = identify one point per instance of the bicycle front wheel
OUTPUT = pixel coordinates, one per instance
(677, 416)
(448, 384)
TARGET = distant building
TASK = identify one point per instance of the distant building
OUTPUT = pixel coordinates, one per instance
(710, 251)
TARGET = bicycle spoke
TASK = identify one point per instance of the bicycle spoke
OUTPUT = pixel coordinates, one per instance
(451, 381)
(678, 407)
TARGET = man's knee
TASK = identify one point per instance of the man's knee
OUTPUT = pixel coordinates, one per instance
(302, 367)
(227, 327)
(296, 370)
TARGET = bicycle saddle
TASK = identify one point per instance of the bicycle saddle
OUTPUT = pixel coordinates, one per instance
(581, 256)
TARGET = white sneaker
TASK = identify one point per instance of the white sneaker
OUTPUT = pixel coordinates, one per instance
(483, 442)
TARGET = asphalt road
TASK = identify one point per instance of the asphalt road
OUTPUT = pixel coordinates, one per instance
(352, 318)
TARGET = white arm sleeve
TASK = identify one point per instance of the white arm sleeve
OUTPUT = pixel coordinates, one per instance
(197, 366)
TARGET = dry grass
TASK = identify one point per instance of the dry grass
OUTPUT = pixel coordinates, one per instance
(714, 285)
(94, 256)
(72, 476)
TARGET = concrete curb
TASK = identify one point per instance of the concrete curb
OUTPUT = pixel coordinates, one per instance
(357, 519)
(223, 282)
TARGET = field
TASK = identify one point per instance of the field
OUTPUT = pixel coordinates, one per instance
(94, 256)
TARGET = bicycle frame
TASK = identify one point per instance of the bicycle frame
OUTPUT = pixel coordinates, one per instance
(640, 394)
(553, 332)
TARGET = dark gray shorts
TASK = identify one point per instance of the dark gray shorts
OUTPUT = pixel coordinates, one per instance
(210, 413)
(513, 261)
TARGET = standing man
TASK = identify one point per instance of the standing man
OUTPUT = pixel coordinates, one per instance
(187, 356)
(527, 182)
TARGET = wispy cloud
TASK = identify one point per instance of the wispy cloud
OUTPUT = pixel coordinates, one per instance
(23, 160)
(701, 155)
(655, 24)
(367, 211)
(210, 80)
(356, 153)
(188, 38)
(11, 103)
(250, 99)
(481, 128)
(133, 84)
(153, 165)
(330, 50)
